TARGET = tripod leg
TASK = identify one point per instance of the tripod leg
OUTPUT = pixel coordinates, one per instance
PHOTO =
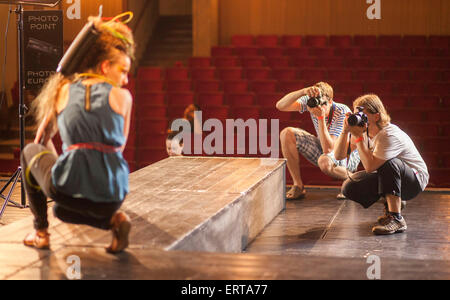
(7, 199)
(8, 183)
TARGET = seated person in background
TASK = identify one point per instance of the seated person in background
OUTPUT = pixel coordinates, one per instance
(174, 144)
(393, 167)
(189, 114)
(328, 118)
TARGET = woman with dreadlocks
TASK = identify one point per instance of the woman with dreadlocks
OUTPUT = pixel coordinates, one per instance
(91, 111)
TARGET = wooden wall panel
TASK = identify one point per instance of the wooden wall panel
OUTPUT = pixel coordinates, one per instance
(111, 8)
(404, 17)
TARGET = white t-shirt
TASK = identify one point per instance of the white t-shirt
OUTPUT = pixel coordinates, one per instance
(392, 142)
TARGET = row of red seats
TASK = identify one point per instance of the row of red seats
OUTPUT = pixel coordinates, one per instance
(350, 87)
(270, 99)
(243, 51)
(341, 40)
(261, 72)
(277, 62)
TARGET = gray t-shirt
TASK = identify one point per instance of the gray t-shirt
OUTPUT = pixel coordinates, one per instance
(392, 142)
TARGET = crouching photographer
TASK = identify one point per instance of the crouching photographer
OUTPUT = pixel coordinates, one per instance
(394, 169)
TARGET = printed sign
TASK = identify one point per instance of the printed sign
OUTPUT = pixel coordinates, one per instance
(42, 45)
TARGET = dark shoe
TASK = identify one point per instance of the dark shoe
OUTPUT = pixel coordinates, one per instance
(295, 193)
(392, 226)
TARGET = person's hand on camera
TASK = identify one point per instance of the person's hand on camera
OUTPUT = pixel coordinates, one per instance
(356, 131)
(318, 111)
(312, 91)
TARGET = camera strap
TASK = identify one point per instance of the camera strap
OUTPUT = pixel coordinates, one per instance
(330, 116)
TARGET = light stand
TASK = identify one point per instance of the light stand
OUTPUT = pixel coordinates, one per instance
(22, 108)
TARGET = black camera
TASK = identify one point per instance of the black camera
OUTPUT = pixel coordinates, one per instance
(358, 119)
(316, 101)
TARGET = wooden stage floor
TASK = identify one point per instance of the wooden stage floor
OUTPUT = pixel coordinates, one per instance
(315, 238)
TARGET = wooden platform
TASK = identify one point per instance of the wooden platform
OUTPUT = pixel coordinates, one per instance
(315, 238)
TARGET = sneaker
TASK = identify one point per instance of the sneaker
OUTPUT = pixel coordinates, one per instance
(385, 217)
(392, 226)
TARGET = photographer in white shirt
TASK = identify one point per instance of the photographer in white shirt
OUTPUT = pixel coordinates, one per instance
(393, 167)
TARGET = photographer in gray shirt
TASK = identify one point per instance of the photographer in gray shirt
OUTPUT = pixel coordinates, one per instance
(393, 167)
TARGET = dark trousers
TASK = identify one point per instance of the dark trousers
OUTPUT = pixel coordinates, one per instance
(39, 187)
(394, 177)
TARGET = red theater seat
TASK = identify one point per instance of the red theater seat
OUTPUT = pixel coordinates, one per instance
(441, 89)
(414, 41)
(412, 63)
(316, 40)
(347, 52)
(200, 62)
(226, 61)
(240, 99)
(149, 73)
(177, 73)
(222, 51)
(272, 51)
(154, 98)
(358, 63)
(331, 63)
(258, 73)
(203, 73)
(321, 52)
(399, 52)
(312, 74)
(235, 86)
(278, 62)
(210, 99)
(365, 40)
(439, 41)
(302, 62)
(350, 87)
(271, 113)
(291, 41)
(297, 52)
(216, 112)
(263, 86)
(253, 61)
(266, 40)
(245, 113)
(158, 126)
(397, 75)
(247, 51)
(379, 87)
(341, 41)
(390, 41)
(384, 63)
(180, 98)
(230, 73)
(284, 74)
(439, 63)
(395, 102)
(425, 101)
(406, 115)
(203, 86)
(179, 85)
(340, 74)
(409, 88)
(242, 40)
(427, 52)
(368, 74)
(287, 86)
(152, 112)
(150, 86)
(268, 99)
(427, 75)
(373, 52)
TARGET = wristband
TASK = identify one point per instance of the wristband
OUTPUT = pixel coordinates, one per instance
(359, 139)
(320, 118)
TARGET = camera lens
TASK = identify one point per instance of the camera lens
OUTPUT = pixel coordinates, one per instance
(313, 102)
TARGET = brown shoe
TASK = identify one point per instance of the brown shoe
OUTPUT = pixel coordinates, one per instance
(382, 220)
(38, 239)
(392, 226)
(121, 226)
(295, 193)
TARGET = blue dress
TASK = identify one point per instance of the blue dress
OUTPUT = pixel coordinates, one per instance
(87, 173)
